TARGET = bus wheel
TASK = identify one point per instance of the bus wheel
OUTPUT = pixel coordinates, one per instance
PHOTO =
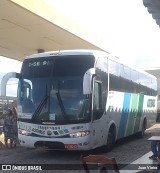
(142, 133)
(110, 141)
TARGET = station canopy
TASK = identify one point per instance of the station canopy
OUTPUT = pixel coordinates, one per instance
(153, 7)
(28, 27)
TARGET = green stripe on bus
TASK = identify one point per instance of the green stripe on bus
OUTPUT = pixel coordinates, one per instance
(132, 114)
(139, 113)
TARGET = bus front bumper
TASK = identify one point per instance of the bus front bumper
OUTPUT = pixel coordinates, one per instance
(81, 143)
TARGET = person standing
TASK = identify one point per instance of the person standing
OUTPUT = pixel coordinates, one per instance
(15, 129)
(8, 128)
(155, 148)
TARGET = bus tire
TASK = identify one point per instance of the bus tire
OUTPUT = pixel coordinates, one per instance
(142, 132)
(110, 140)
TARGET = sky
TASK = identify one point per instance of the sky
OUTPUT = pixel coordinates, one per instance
(124, 27)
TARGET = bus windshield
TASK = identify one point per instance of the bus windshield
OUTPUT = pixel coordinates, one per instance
(52, 97)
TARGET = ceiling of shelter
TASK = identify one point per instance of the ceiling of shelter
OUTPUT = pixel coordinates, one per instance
(22, 33)
(153, 7)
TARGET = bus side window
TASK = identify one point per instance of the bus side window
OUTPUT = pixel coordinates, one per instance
(97, 101)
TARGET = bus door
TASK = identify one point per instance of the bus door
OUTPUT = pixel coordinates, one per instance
(97, 124)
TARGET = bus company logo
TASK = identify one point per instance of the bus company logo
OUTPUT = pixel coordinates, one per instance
(49, 132)
(151, 103)
(6, 167)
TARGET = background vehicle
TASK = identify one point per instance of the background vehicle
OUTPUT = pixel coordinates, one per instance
(81, 100)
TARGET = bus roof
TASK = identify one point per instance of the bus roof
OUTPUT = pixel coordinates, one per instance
(68, 52)
(96, 53)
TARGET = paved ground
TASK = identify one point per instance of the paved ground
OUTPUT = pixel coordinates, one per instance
(125, 152)
(130, 149)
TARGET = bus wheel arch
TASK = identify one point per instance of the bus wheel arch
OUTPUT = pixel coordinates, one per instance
(111, 137)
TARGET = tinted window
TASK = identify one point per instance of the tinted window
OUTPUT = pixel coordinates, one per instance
(130, 80)
(57, 66)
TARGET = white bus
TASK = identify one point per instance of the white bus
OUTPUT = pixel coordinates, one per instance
(81, 100)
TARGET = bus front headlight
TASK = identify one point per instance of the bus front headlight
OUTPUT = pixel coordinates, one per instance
(79, 134)
(24, 132)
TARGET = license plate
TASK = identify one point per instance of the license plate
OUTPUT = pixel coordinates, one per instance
(71, 146)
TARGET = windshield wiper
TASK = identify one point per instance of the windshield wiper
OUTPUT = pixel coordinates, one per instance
(61, 105)
(60, 102)
(40, 106)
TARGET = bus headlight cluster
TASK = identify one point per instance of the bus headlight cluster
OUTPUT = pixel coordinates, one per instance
(79, 134)
(24, 132)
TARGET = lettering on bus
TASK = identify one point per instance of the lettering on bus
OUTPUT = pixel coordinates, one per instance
(38, 131)
(39, 63)
(151, 103)
(30, 128)
(24, 127)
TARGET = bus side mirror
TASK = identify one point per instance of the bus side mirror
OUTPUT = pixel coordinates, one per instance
(5, 79)
(87, 81)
